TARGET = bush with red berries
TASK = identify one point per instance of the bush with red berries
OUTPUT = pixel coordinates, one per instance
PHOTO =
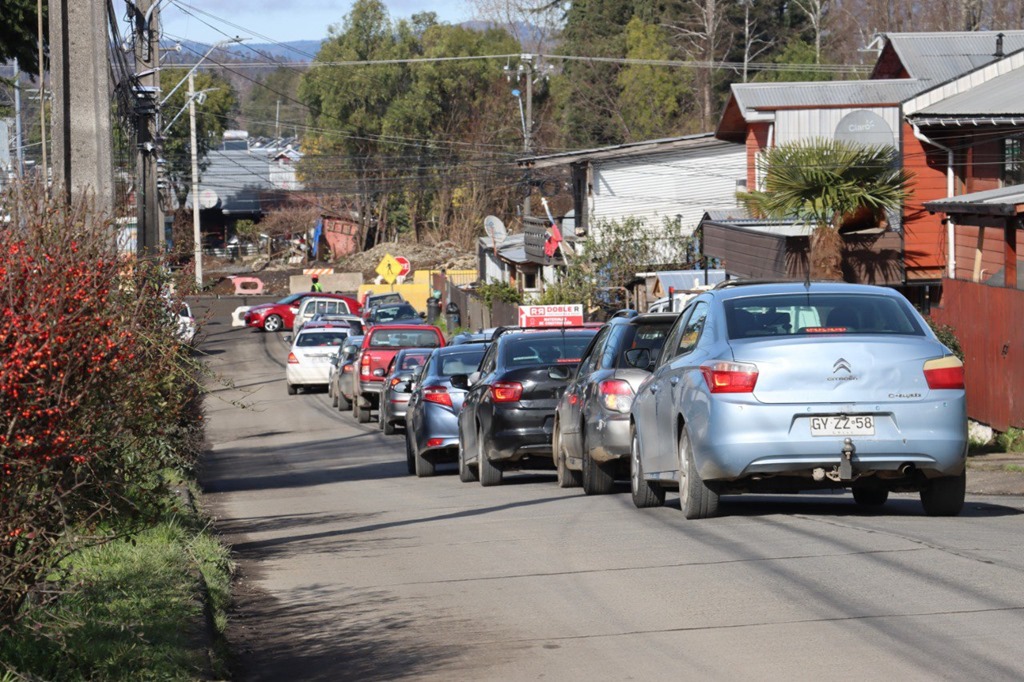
(98, 397)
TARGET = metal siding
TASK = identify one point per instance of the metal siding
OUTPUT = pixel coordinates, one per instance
(754, 96)
(986, 322)
(792, 125)
(938, 57)
(685, 183)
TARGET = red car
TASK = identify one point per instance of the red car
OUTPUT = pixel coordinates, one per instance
(273, 317)
(380, 344)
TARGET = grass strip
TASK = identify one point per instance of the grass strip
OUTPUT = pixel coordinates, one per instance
(153, 608)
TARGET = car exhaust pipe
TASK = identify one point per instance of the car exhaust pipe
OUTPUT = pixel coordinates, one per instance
(907, 469)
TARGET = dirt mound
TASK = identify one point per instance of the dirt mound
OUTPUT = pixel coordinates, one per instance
(444, 255)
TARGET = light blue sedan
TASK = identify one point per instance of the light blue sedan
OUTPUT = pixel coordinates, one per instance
(789, 387)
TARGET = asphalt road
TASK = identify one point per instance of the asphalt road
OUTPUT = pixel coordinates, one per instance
(351, 569)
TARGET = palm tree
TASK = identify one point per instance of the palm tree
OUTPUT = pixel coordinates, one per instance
(826, 183)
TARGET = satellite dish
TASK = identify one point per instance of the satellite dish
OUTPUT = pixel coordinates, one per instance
(495, 229)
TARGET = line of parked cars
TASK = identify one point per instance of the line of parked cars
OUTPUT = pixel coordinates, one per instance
(750, 388)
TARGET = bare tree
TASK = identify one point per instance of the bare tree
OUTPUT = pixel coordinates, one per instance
(705, 38)
(753, 45)
(534, 23)
(815, 11)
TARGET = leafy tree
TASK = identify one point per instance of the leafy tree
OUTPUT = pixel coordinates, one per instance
(213, 116)
(825, 183)
(277, 91)
(18, 33)
(797, 52)
(650, 96)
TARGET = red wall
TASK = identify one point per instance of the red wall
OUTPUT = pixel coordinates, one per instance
(987, 323)
(924, 235)
(757, 139)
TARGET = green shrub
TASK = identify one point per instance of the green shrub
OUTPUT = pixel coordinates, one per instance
(499, 291)
(1012, 440)
(947, 335)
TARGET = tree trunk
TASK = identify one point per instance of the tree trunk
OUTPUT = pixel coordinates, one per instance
(826, 254)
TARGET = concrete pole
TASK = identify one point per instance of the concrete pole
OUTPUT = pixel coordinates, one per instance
(82, 137)
(150, 228)
(42, 85)
(197, 233)
(527, 60)
(19, 144)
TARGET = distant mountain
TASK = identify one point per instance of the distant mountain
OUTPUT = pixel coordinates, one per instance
(293, 51)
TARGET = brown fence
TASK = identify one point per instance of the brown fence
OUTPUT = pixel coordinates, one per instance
(475, 314)
(987, 321)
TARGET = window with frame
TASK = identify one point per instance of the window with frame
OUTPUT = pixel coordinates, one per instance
(692, 329)
(1013, 161)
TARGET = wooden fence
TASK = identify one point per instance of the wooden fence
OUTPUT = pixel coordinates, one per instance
(987, 322)
(476, 314)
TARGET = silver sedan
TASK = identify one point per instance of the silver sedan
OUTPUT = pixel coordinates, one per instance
(790, 387)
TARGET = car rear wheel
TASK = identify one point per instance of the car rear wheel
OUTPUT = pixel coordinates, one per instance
(273, 323)
(292, 389)
(424, 467)
(567, 478)
(466, 473)
(361, 413)
(410, 457)
(381, 416)
(645, 493)
(598, 477)
(388, 425)
(870, 497)
(944, 496)
(344, 405)
(488, 472)
(330, 392)
(697, 498)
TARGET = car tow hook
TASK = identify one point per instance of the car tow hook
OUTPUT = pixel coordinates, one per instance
(846, 461)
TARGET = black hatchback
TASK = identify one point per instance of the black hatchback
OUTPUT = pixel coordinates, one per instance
(508, 414)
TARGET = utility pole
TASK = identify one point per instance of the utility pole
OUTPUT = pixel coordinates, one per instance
(197, 233)
(526, 65)
(149, 222)
(19, 145)
(80, 77)
(42, 86)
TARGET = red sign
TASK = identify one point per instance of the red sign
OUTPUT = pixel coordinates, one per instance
(551, 315)
(406, 266)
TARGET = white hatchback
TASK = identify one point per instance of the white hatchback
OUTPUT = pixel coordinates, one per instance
(309, 358)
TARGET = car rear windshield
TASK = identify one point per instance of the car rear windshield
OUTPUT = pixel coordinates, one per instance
(394, 312)
(410, 360)
(803, 314)
(551, 350)
(320, 338)
(462, 363)
(385, 298)
(404, 338)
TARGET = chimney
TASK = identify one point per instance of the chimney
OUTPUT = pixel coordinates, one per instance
(999, 46)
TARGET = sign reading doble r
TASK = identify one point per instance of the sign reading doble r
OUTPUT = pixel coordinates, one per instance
(551, 315)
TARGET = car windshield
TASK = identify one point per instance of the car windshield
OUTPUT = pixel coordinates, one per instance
(462, 363)
(291, 298)
(386, 313)
(404, 338)
(650, 336)
(811, 313)
(320, 338)
(551, 350)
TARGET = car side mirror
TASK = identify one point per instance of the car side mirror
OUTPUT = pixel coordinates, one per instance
(378, 372)
(560, 372)
(460, 381)
(423, 315)
(639, 358)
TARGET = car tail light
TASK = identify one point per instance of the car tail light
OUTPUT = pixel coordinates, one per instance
(292, 360)
(395, 381)
(506, 391)
(616, 394)
(434, 442)
(947, 372)
(730, 377)
(364, 366)
(438, 395)
(347, 369)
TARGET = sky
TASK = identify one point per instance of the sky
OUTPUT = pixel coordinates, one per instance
(282, 20)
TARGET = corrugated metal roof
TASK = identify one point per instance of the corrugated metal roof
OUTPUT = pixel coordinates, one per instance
(682, 280)
(939, 57)
(1003, 201)
(1000, 96)
(619, 150)
(768, 96)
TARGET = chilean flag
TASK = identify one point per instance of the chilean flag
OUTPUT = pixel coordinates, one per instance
(553, 240)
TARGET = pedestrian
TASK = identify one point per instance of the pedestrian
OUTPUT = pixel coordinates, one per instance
(317, 287)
